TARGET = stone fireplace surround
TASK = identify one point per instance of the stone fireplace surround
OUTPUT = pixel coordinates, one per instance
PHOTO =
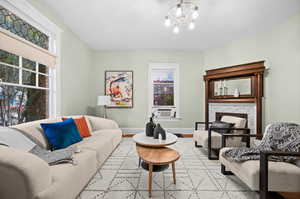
(247, 108)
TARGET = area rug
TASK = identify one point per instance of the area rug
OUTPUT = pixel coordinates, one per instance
(197, 177)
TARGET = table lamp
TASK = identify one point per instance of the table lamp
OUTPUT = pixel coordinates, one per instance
(103, 101)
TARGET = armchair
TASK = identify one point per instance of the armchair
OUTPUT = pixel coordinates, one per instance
(210, 138)
(263, 175)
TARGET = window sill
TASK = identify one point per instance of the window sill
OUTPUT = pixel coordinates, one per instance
(167, 119)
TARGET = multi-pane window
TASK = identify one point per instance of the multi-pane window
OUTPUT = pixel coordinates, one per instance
(164, 90)
(163, 87)
(24, 89)
(18, 26)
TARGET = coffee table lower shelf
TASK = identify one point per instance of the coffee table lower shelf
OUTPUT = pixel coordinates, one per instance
(156, 168)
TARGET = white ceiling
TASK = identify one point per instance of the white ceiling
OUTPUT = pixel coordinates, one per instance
(138, 24)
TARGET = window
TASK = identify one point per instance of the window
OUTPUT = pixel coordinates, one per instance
(164, 90)
(29, 53)
(16, 25)
(24, 90)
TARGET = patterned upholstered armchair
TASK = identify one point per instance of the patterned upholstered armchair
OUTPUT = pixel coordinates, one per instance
(211, 138)
(257, 171)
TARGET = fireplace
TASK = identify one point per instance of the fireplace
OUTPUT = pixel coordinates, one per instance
(236, 89)
(244, 110)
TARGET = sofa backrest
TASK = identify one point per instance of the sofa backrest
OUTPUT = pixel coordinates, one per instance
(33, 129)
(86, 119)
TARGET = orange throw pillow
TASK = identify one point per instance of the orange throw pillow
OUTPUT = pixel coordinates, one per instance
(81, 125)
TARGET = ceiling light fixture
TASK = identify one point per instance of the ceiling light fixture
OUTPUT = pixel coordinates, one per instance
(183, 13)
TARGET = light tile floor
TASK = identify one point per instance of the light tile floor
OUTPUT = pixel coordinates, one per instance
(197, 177)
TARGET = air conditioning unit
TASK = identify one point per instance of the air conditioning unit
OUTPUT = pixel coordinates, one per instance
(165, 113)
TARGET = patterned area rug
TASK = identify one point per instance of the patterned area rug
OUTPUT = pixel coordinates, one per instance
(197, 177)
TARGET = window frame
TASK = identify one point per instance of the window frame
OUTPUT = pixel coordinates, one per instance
(164, 66)
(28, 13)
(21, 69)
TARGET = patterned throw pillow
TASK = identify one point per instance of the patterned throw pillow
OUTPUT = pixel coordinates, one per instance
(220, 124)
(81, 125)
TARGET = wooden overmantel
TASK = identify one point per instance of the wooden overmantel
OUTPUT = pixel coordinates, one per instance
(255, 71)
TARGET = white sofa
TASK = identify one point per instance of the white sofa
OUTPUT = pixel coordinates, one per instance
(25, 176)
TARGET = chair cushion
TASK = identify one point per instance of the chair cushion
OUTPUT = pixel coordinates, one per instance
(248, 172)
(201, 137)
(237, 121)
(81, 126)
(61, 134)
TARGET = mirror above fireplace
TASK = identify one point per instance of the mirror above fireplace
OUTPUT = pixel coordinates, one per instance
(233, 88)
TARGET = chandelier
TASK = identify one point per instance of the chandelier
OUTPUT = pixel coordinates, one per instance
(183, 13)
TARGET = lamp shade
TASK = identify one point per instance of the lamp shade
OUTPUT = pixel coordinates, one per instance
(103, 100)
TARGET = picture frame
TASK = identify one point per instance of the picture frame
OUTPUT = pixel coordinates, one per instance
(119, 86)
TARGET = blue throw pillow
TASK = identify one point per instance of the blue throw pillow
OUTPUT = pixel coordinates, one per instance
(61, 134)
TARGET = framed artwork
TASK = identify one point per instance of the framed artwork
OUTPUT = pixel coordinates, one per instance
(119, 86)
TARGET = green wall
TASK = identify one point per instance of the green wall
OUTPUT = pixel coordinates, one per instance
(82, 71)
(280, 48)
(191, 84)
(75, 67)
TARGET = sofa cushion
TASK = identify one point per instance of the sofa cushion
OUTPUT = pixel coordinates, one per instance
(34, 130)
(14, 138)
(98, 123)
(248, 172)
(81, 126)
(68, 180)
(61, 134)
(103, 142)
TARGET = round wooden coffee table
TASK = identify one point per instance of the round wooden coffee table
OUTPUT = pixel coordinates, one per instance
(142, 140)
(156, 157)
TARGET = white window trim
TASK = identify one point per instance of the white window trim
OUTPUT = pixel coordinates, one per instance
(27, 12)
(167, 66)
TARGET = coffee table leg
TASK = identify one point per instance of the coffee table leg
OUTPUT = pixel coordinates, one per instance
(150, 179)
(173, 170)
(140, 160)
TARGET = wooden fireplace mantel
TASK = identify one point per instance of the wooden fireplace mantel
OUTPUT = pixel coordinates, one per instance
(254, 71)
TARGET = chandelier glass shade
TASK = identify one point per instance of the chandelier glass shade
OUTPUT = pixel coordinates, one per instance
(183, 13)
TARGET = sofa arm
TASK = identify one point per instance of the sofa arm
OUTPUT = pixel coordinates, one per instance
(23, 174)
(99, 123)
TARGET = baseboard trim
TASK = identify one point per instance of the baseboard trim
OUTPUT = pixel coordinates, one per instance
(184, 131)
(186, 135)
